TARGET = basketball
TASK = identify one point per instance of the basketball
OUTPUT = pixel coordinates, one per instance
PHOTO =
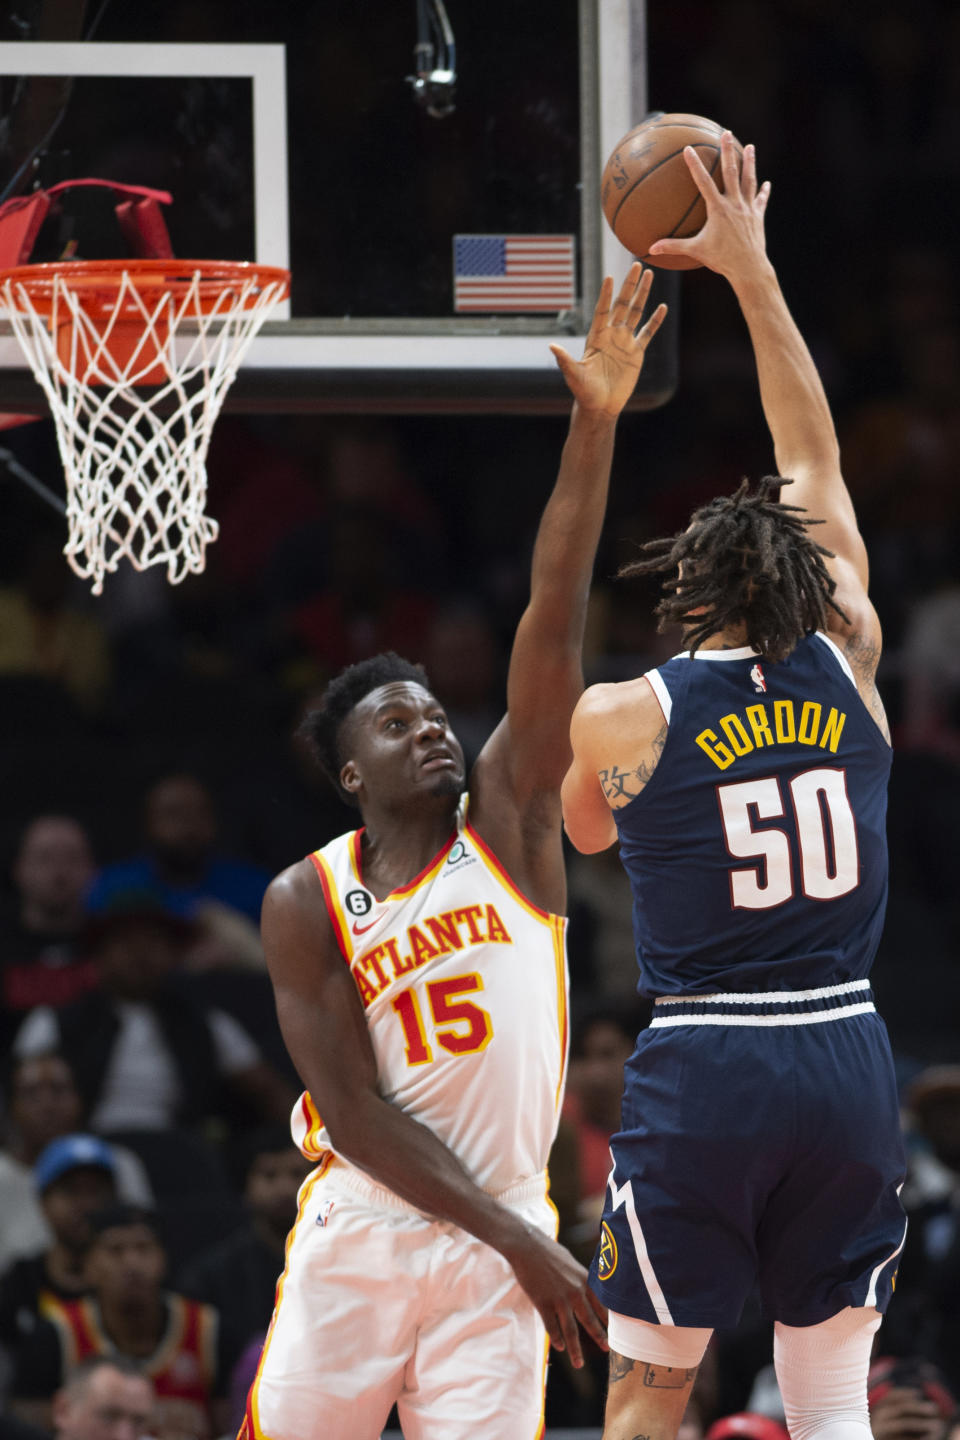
(647, 192)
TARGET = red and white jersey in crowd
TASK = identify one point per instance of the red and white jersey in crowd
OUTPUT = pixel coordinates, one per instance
(464, 985)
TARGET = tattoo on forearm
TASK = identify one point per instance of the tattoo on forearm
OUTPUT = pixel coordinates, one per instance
(652, 1377)
(622, 786)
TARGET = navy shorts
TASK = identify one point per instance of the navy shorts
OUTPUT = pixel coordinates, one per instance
(760, 1144)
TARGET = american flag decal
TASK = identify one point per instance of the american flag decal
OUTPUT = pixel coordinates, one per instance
(499, 273)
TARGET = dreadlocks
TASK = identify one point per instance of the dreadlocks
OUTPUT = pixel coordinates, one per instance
(745, 559)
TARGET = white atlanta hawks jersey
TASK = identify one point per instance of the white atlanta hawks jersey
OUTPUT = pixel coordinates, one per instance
(464, 984)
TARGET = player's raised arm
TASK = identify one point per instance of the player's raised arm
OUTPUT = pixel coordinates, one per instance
(526, 758)
(805, 441)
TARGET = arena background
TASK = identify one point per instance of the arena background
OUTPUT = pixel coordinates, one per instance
(345, 533)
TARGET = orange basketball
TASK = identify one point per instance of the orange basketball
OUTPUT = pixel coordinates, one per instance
(648, 193)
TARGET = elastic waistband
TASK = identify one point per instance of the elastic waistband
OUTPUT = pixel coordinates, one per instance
(347, 1176)
(766, 1007)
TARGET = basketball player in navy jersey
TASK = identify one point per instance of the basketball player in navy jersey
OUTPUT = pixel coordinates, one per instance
(745, 780)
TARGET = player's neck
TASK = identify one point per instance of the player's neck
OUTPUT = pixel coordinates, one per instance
(135, 1327)
(734, 637)
(395, 850)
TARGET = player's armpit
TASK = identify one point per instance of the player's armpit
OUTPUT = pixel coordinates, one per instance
(587, 807)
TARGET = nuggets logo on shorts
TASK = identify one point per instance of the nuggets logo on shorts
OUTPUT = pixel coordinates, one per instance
(607, 1258)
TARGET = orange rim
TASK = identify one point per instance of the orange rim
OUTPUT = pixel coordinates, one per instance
(99, 281)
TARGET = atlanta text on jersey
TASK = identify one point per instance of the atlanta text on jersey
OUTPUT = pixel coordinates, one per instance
(470, 925)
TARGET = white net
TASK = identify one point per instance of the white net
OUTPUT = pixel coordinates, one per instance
(135, 376)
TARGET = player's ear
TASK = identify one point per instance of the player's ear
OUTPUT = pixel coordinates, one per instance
(350, 778)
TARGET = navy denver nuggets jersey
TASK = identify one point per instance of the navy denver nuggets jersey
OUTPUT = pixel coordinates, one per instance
(757, 851)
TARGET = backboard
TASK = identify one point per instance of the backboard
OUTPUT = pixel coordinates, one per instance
(292, 135)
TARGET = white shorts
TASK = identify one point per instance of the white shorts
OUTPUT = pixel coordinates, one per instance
(379, 1304)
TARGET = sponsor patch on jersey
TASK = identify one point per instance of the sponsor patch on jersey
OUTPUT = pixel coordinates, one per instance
(608, 1257)
(459, 859)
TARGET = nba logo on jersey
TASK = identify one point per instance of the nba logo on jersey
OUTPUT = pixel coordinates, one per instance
(759, 684)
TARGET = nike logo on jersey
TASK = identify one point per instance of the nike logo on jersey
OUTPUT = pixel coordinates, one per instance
(362, 929)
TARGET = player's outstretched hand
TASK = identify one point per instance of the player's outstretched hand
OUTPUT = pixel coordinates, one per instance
(604, 379)
(557, 1285)
(732, 239)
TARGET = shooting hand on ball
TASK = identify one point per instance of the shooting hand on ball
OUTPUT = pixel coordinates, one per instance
(732, 241)
(604, 380)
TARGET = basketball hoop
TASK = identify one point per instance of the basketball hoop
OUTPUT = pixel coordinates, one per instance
(135, 358)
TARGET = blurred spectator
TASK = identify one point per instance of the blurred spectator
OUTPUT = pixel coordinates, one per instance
(42, 634)
(145, 1053)
(181, 864)
(128, 1312)
(601, 1044)
(924, 1315)
(42, 960)
(909, 1400)
(368, 604)
(601, 927)
(287, 807)
(104, 1398)
(75, 1176)
(931, 675)
(44, 1103)
(463, 663)
(746, 1426)
(239, 1276)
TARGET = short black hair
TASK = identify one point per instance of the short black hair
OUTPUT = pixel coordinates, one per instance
(322, 727)
(79, 1374)
(119, 1215)
(265, 1140)
(747, 559)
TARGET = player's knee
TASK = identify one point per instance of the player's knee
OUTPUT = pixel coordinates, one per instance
(822, 1372)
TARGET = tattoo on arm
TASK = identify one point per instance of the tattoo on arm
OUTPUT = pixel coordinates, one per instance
(622, 786)
(614, 782)
(652, 1377)
(620, 1365)
(864, 657)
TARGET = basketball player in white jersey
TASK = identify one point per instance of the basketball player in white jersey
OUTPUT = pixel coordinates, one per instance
(419, 973)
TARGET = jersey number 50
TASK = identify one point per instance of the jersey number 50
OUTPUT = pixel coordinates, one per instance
(826, 838)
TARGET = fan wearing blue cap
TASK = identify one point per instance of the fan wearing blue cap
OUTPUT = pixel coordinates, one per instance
(75, 1175)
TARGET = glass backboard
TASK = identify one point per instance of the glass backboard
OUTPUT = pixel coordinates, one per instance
(293, 135)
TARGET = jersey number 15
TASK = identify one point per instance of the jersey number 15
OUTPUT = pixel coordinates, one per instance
(829, 863)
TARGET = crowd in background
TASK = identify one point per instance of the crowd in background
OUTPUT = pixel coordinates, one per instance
(153, 779)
